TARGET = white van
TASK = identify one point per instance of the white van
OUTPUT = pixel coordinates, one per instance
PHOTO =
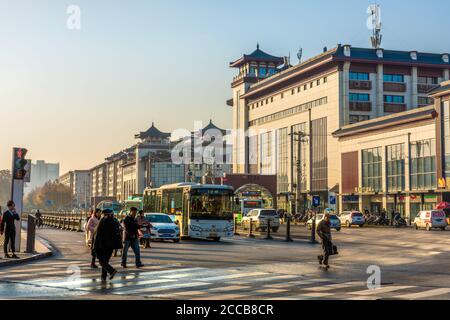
(434, 219)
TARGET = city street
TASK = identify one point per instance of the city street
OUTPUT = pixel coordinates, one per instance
(414, 265)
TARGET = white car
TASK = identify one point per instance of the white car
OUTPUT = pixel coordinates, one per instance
(352, 218)
(334, 221)
(260, 218)
(163, 227)
(435, 219)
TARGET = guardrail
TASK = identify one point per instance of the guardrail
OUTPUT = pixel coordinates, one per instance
(65, 221)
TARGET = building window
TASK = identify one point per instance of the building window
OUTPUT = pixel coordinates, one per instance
(358, 118)
(427, 80)
(395, 163)
(311, 85)
(282, 95)
(282, 171)
(318, 82)
(394, 99)
(394, 78)
(359, 76)
(266, 153)
(359, 97)
(298, 89)
(423, 165)
(271, 99)
(371, 170)
(262, 72)
(267, 101)
(305, 87)
(319, 157)
(292, 92)
(425, 101)
(325, 80)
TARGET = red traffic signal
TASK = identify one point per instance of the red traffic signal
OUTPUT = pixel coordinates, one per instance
(19, 163)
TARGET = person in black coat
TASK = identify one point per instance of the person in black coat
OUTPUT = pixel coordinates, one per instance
(8, 227)
(106, 240)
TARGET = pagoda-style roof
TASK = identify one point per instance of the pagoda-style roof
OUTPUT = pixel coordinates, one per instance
(153, 132)
(212, 126)
(257, 56)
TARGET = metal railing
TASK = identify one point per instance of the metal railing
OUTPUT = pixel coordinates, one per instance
(70, 221)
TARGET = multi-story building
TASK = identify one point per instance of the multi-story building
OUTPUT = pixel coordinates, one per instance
(399, 162)
(291, 112)
(41, 173)
(79, 181)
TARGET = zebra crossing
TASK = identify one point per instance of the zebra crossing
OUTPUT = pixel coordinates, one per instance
(74, 279)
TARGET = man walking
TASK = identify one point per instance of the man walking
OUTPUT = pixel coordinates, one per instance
(8, 227)
(324, 232)
(106, 239)
(131, 238)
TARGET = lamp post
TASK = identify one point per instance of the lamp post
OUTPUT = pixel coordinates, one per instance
(299, 137)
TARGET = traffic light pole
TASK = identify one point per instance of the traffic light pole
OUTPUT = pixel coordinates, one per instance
(17, 197)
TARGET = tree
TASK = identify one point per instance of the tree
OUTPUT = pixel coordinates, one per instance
(5, 187)
(53, 196)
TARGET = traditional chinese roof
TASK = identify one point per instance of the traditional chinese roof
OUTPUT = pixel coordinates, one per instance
(443, 89)
(212, 126)
(257, 56)
(152, 132)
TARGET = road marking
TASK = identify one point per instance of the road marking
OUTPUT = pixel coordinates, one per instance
(288, 284)
(162, 288)
(337, 286)
(271, 291)
(114, 285)
(268, 279)
(235, 276)
(424, 294)
(222, 297)
(381, 290)
(228, 288)
(316, 295)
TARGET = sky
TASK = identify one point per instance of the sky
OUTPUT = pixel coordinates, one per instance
(77, 96)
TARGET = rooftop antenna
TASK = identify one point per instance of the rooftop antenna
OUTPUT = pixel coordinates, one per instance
(300, 54)
(374, 24)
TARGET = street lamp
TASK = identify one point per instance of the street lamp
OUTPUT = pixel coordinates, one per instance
(299, 137)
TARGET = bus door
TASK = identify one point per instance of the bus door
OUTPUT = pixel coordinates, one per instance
(184, 218)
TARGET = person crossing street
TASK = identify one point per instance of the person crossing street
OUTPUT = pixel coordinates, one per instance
(131, 238)
(324, 233)
(106, 240)
(90, 229)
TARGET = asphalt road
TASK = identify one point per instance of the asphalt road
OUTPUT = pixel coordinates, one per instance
(413, 264)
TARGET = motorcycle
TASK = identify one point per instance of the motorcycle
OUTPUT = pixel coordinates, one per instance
(399, 222)
(145, 235)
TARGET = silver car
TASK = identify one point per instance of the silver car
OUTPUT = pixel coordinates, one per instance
(163, 227)
(334, 221)
(260, 218)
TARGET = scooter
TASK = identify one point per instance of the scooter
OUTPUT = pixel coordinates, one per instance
(145, 235)
(399, 222)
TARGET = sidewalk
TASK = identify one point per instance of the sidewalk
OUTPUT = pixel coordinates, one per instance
(42, 251)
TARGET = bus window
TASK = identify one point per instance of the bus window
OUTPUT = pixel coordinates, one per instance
(211, 204)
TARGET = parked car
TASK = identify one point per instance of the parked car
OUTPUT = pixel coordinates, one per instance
(433, 219)
(259, 218)
(334, 221)
(352, 218)
(163, 227)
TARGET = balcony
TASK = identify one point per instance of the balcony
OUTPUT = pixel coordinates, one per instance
(394, 86)
(360, 85)
(425, 88)
(394, 107)
(361, 106)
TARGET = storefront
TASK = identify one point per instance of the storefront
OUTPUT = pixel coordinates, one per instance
(419, 202)
(396, 203)
(376, 204)
(350, 203)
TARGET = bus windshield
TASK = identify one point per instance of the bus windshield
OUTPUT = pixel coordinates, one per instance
(211, 204)
(130, 204)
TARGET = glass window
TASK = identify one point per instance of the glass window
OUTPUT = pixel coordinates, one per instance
(359, 97)
(423, 165)
(394, 99)
(372, 170)
(282, 172)
(359, 76)
(394, 78)
(395, 164)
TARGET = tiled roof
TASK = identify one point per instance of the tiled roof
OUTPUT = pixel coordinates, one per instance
(440, 89)
(153, 132)
(392, 56)
(257, 56)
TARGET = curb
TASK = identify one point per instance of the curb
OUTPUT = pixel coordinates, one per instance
(35, 257)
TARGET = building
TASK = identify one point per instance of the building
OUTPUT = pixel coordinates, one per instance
(79, 181)
(398, 162)
(41, 173)
(289, 113)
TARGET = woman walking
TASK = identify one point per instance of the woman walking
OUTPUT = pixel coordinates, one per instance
(90, 229)
(106, 240)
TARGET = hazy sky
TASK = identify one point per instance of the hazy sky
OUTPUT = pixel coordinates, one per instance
(77, 96)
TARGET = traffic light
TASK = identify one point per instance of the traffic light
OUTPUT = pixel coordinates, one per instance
(20, 163)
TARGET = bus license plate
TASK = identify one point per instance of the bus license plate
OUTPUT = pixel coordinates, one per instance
(213, 235)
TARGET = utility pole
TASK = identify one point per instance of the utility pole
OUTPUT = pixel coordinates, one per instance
(300, 137)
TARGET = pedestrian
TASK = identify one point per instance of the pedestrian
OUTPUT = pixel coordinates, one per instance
(131, 238)
(324, 232)
(119, 223)
(90, 229)
(106, 240)
(141, 218)
(8, 227)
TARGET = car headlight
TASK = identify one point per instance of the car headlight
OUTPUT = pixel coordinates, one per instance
(196, 228)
